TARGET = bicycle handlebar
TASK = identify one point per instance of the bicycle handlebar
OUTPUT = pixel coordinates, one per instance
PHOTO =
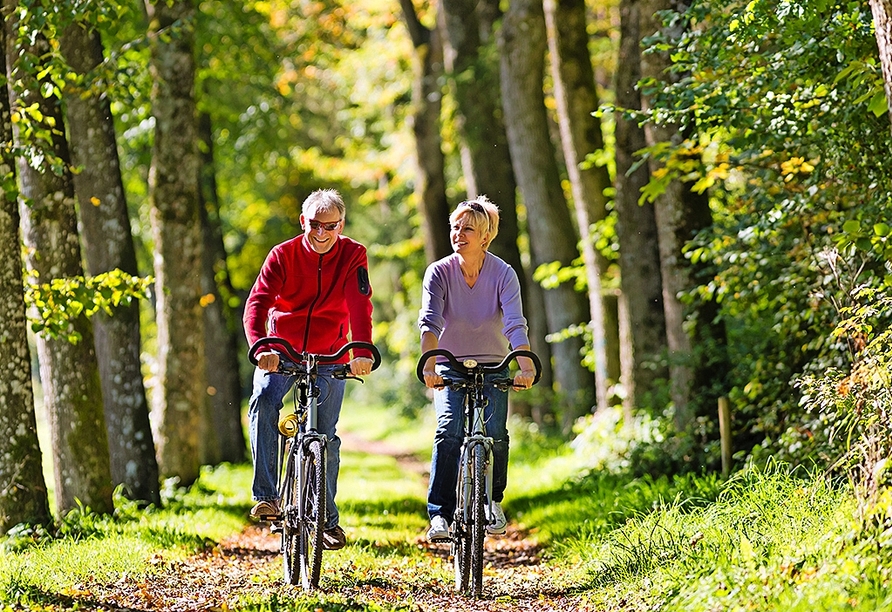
(456, 364)
(297, 357)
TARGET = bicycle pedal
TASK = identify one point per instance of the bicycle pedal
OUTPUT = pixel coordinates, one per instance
(270, 518)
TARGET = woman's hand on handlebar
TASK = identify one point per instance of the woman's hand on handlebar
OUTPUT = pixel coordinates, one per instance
(268, 361)
(360, 366)
(432, 380)
(527, 375)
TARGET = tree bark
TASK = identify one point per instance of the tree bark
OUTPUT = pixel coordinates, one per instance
(882, 21)
(225, 432)
(108, 245)
(641, 298)
(68, 371)
(430, 188)
(577, 101)
(23, 496)
(552, 237)
(180, 398)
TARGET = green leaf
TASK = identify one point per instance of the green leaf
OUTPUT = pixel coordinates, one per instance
(878, 105)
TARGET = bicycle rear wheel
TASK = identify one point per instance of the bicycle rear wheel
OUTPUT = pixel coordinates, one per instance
(478, 519)
(313, 514)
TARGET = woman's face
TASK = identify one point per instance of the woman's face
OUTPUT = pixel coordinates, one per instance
(465, 238)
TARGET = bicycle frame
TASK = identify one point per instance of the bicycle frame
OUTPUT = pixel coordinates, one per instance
(302, 458)
(475, 476)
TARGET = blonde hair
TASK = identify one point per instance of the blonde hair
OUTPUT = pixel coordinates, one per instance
(483, 215)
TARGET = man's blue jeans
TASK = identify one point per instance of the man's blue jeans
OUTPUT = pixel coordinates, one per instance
(450, 406)
(263, 429)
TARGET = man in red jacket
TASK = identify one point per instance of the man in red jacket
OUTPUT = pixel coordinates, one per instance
(313, 291)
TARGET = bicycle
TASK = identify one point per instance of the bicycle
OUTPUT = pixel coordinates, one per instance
(301, 461)
(474, 484)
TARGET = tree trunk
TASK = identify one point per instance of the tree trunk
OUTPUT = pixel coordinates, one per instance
(552, 235)
(221, 341)
(23, 496)
(641, 299)
(108, 245)
(577, 101)
(68, 371)
(486, 156)
(180, 398)
(882, 21)
(430, 188)
(680, 214)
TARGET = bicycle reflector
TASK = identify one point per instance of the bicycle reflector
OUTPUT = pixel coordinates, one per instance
(289, 424)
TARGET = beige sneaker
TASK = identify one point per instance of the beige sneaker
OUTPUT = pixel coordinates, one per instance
(265, 510)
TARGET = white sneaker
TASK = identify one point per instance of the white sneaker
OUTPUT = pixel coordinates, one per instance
(439, 530)
(496, 522)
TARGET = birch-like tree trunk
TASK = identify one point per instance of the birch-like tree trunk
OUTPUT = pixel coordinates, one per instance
(642, 319)
(179, 401)
(552, 233)
(23, 496)
(580, 129)
(68, 371)
(108, 245)
(427, 95)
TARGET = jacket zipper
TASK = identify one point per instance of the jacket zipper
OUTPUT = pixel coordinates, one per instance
(313, 303)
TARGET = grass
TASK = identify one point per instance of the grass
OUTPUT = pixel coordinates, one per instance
(767, 539)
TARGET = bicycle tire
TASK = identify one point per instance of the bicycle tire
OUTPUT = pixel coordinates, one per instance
(313, 515)
(461, 550)
(478, 518)
(290, 526)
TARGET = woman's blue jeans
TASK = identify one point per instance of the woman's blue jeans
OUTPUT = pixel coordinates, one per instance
(263, 429)
(450, 406)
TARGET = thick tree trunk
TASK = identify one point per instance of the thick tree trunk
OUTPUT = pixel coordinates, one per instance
(697, 376)
(23, 496)
(427, 94)
(486, 156)
(108, 245)
(552, 233)
(180, 399)
(577, 101)
(642, 316)
(225, 432)
(882, 21)
(68, 371)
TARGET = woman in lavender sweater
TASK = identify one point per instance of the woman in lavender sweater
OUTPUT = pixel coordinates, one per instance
(471, 306)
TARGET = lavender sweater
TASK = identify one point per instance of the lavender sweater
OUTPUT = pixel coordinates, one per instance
(478, 322)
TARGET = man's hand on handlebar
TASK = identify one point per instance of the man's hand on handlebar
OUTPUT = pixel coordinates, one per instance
(360, 366)
(268, 361)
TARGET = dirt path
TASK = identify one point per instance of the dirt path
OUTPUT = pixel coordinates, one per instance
(237, 568)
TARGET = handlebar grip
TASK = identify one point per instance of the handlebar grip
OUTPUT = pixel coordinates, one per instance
(296, 357)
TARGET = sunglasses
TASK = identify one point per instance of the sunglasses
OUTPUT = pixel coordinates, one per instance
(475, 206)
(328, 227)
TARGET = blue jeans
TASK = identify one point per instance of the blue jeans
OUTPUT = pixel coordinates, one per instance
(450, 406)
(263, 429)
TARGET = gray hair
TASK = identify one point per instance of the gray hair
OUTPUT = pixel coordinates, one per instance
(324, 200)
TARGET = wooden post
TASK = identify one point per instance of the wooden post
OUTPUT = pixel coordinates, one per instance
(725, 432)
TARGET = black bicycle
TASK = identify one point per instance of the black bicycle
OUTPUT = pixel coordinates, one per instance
(474, 485)
(302, 455)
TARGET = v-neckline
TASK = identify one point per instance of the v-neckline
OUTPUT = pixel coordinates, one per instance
(465, 281)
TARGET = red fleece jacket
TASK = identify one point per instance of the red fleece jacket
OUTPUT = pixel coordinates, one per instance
(314, 301)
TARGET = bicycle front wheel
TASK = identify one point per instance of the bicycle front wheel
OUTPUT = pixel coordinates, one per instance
(290, 522)
(478, 519)
(313, 514)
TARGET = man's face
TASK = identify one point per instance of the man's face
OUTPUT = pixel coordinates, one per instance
(322, 228)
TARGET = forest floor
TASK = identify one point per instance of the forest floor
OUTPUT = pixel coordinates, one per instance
(220, 578)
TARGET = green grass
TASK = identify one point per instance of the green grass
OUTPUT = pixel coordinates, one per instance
(767, 539)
